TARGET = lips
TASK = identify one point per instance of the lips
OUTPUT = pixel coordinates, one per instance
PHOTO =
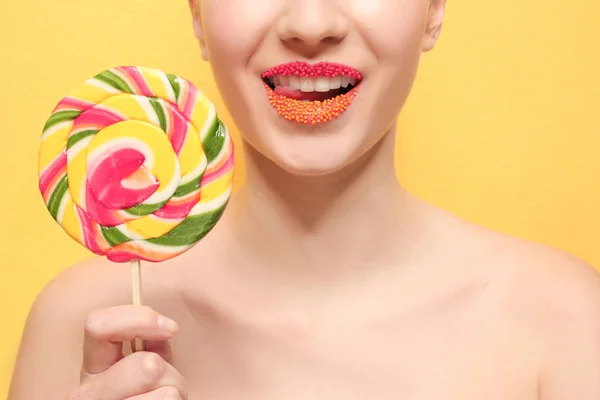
(311, 93)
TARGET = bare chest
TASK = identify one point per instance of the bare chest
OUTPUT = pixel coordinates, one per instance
(424, 358)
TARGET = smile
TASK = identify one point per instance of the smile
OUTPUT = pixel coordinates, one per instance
(311, 93)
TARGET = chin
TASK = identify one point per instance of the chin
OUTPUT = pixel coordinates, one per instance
(311, 166)
(313, 154)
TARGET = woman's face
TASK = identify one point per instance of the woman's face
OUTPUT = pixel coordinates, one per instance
(314, 84)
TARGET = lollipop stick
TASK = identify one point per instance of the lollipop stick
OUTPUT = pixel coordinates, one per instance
(136, 288)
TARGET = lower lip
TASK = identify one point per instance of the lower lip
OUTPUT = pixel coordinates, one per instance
(310, 112)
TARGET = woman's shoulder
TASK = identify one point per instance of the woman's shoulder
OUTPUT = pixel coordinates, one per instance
(554, 297)
(541, 271)
(98, 283)
(537, 281)
(544, 287)
(91, 281)
(55, 326)
(532, 269)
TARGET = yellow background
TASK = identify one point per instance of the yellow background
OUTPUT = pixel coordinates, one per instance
(503, 126)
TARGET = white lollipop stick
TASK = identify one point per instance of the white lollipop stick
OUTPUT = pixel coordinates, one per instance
(136, 288)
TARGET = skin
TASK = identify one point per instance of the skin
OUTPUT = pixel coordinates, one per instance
(325, 279)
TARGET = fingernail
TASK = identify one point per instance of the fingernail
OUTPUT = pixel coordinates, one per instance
(167, 324)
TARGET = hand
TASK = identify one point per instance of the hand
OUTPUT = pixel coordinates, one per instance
(106, 374)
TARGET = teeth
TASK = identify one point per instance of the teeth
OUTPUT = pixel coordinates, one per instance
(318, 84)
(295, 83)
(345, 81)
(322, 85)
(308, 85)
(335, 83)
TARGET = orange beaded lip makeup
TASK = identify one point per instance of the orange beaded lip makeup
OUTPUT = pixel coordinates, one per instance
(311, 93)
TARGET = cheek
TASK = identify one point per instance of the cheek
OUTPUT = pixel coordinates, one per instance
(390, 27)
(233, 28)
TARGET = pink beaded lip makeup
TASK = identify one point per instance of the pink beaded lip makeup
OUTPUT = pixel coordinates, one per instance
(311, 93)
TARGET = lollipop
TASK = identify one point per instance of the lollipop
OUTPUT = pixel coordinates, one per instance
(136, 165)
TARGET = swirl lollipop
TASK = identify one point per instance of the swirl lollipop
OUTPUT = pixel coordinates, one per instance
(136, 165)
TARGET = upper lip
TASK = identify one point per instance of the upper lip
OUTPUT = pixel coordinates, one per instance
(305, 69)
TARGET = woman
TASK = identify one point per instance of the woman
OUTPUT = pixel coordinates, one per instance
(325, 279)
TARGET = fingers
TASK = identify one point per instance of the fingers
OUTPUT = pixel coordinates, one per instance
(106, 329)
(162, 348)
(135, 375)
(163, 393)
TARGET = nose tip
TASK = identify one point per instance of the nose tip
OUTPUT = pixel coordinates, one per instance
(311, 24)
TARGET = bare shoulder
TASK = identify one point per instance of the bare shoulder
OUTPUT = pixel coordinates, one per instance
(98, 283)
(90, 284)
(527, 268)
(55, 326)
(563, 283)
(54, 329)
(537, 281)
(555, 298)
(560, 295)
(528, 276)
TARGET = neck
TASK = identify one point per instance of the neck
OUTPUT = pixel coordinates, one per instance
(341, 220)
